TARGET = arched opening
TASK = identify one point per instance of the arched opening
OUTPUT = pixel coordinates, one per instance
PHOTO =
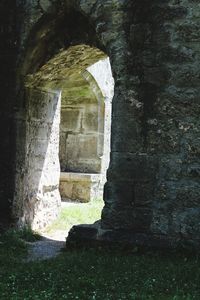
(68, 120)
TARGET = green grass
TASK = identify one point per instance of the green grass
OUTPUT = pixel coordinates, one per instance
(95, 273)
(13, 245)
(86, 213)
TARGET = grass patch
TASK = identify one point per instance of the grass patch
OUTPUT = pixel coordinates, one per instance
(13, 244)
(74, 214)
(28, 235)
(95, 274)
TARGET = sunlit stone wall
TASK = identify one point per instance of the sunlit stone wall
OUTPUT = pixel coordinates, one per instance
(38, 182)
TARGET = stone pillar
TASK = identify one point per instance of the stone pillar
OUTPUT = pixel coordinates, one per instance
(102, 73)
(132, 170)
(40, 171)
(102, 84)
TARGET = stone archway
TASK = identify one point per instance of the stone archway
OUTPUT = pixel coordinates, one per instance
(77, 83)
(152, 189)
(55, 28)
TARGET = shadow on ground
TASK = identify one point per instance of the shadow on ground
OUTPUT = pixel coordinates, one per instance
(43, 249)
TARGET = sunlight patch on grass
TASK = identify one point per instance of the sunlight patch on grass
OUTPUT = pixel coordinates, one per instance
(77, 213)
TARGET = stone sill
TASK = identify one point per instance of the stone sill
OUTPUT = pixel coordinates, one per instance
(87, 177)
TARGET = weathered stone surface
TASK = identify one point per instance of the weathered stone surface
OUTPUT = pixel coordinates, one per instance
(93, 235)
(80, 187)
(39, 188)
(154, 52)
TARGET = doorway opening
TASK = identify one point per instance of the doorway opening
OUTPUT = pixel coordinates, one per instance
(68, 123)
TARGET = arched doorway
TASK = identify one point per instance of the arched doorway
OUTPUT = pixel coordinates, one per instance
(77, 84)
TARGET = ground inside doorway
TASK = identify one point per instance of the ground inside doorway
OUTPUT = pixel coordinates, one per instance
(53, 237)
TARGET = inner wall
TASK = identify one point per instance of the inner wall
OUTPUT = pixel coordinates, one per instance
(85, 133)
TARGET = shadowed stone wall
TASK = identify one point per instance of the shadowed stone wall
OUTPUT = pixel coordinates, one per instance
(153, 180)
(8, 53)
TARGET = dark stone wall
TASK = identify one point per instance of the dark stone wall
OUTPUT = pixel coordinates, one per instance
(175, 138)
(8, 54)
(153, 180)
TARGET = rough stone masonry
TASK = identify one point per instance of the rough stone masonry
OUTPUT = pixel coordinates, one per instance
(152, 194)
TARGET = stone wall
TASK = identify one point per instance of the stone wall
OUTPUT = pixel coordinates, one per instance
(102, 74)
(155, 158)
(38, 181)
(85, 132)
(153, 180)
(81, 187)
(81, 147)
(8, 54)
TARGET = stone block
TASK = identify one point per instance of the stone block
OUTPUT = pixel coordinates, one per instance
(189, 31)
(45, 4)
(88, 146)
(187, 95)
(171, 167)
(80, 148)
(187, 196)
(191, 145)
(176, 54)
(132, 167)
(168, 13)
(39, 129)
(126, 217)
(80, 187)
(91, 122)
(38, 147)
(127, 105)
(133, 194)
(131, 202)
(126, 135)
(163, 141)
(178, 107)
(186, 222)
(114, 193)
(87, 6)
(62, 150)
(144, 194)
(71, 119)
(185, 76)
